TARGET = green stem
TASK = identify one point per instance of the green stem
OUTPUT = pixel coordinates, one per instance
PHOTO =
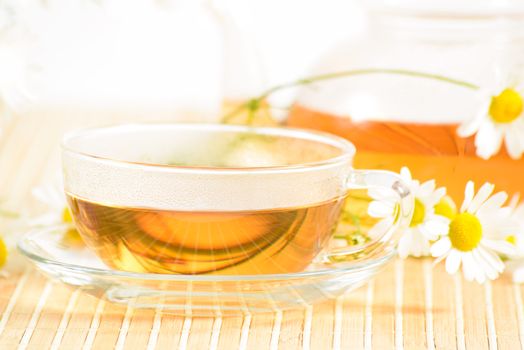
(254, 103)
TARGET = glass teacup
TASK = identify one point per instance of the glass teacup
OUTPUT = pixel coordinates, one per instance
(207, 198)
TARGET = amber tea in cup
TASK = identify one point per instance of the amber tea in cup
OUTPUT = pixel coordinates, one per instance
(199, 198)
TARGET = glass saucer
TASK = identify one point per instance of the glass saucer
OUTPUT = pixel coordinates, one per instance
(196, 295)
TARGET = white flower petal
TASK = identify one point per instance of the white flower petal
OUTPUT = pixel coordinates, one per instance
(514, 145)
(488, 269)
(412, 242)
(499, 228)
(519, 247)
(481, 196)
(405, 174)
(468, 266)
(473, 269)
(439, 259)
(404, 246)
(380, 228)
(519, 212)
(420, 244)
(488, 140)
(378, 209)
(518, 273)
(499, 246)
(519, 130)
(418, 248)
(505, 212)
(424, 248)
(514, 201)
(437, 195)
(426, 189)
(453, 261)
(440, 247)
(468, 195)
(492, 258)
(434, 227)
(492, 204)
(480, 275)
(414, 186)
(471, 126)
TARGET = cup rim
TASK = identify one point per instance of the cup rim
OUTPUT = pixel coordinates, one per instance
(347, 148)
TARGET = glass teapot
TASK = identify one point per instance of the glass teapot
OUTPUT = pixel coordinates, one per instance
(81, 63)
(437, 90)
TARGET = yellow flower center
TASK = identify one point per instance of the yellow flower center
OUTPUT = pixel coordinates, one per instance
(465, 232)
(3, 253)
(66, 215)
(72, 236)
(512, 239)
(446, 207)
(506, 107)
(419, 213)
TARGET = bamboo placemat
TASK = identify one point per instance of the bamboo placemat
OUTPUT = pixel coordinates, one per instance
(410, 304)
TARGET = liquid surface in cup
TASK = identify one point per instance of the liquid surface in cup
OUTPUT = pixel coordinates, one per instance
(193, 242)
(431, 151)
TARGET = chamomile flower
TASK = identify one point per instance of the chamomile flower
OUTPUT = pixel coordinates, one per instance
(3, 252)
(517, 237)
(58, 215)
(516, 262)
(12, 226)
(425, 225)
(58, 212)
(6, 245)
(500, 118)
(475, 235)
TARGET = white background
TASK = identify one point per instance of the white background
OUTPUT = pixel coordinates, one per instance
(163, 54)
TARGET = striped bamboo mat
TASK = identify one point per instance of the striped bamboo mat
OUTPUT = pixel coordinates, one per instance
(409, 305)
